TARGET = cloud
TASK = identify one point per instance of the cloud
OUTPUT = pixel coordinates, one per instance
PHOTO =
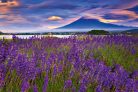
(5, 7)
(52, 27)
(132, 23)
(47, 25)
(99, 13)
(52, 5)
(100, 18)
(115, 4)
(128, 13)
(9, 19)
(54, 18)
(13, 20)
(44, 27)
(114, 16)
(13, 3)
(126, 4)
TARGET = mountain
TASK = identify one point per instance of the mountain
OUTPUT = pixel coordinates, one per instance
(132, 31)
(84, 23)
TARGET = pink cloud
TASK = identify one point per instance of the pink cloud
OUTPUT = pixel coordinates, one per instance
(131, 14)
(13, 19)
(100, 18)
(6, 7)
(54, 18)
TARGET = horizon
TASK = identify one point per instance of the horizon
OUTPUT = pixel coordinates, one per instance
(18, 16)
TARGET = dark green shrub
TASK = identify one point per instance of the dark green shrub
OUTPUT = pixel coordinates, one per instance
(98, 32)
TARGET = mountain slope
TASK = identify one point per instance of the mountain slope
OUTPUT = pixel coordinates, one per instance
(83, 23)
(131, 31)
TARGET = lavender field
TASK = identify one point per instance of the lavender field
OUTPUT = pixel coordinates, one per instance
(74, 64)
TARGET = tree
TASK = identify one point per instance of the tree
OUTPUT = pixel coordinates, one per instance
(1, 33)
(98, 32)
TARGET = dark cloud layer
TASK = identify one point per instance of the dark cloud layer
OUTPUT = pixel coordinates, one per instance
(48, 14)
(113, 16)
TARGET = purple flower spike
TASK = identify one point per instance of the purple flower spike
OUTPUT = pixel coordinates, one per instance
(35, 89)
(54, 70)
(45, 84)
(2, 75)
(82, 88)
(25, 86)
(133, 51)
(99, 88)
(68, 84)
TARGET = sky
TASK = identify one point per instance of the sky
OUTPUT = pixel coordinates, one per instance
(43, 15)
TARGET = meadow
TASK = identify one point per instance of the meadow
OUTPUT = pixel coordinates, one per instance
(74, 64)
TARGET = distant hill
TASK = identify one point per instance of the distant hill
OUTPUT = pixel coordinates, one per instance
(84, 23)
(132, 31)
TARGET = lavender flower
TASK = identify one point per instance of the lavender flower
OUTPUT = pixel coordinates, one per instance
(133, 51)
(35, 89)
(68, 84)
(25, 86)
(78, 63)
(45, 84)
(82, 88)
(99, 88)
